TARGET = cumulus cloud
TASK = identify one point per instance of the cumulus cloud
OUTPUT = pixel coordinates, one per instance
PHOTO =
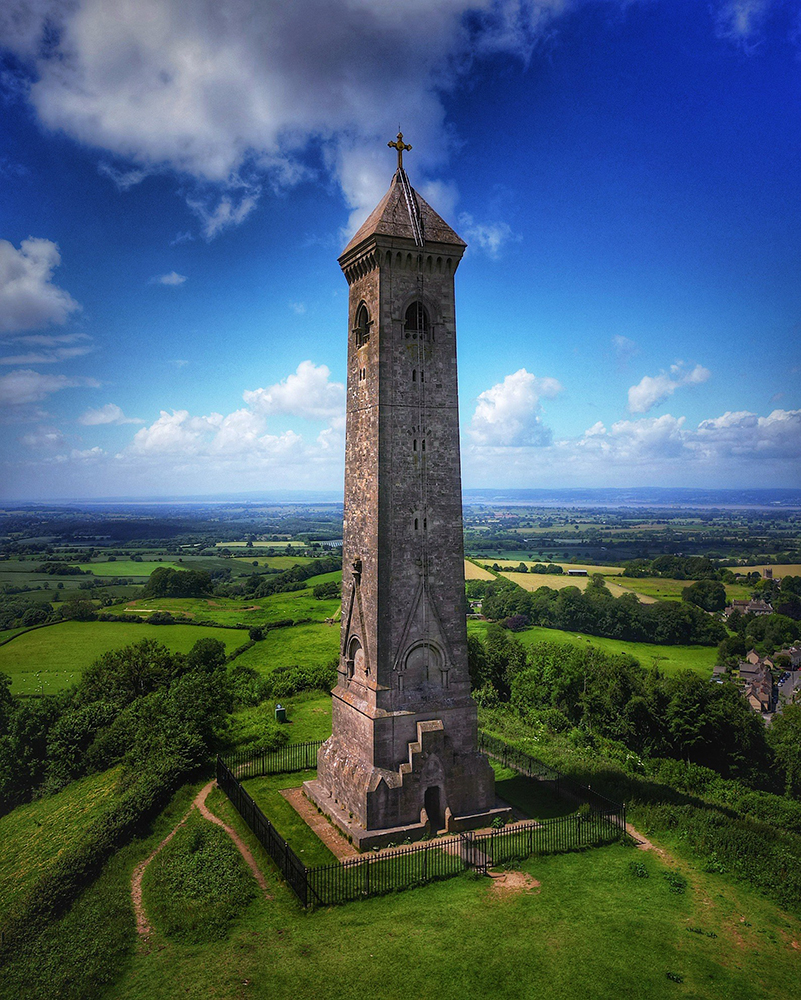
(28, 298)
(307, 393)
(171, 279)
(28, 386)
(235, 95)
(745, 434)
(108, 414)
(241, 443)
(490, 237)
(650, 391)
(509, 414)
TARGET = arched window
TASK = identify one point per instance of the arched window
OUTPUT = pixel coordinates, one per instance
(362, 328)
(417, 324)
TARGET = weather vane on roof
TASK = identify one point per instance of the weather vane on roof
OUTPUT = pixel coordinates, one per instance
(400, 145)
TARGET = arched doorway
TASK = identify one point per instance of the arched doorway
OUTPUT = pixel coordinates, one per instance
(434, 808)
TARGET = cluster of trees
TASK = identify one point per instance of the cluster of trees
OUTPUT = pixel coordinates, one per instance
(143, 705)
(764, 633)
(596, 612)
(168, 582)
(585, 690)
(678, 568)
(709, 595)
(543, 568)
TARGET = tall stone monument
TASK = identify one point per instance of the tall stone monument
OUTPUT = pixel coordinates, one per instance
(402, 760)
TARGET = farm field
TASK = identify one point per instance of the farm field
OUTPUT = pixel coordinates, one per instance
(301, 645)
(589, 567)
(46, 660)
(294, 604)
(473, 572)
(665, 589)
(32, 836)
(533, 581)
(127, 567)
(669, 659)
(779, 570)
(261, 545)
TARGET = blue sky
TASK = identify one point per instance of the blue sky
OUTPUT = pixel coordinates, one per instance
(178, 177)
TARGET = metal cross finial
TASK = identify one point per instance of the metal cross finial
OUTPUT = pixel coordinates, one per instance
(400, 145)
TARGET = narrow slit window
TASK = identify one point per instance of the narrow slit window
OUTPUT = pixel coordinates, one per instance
(361, 330)
(414, 374)
(416, 525)
(414, 445)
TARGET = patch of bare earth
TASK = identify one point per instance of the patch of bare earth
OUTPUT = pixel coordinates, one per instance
(143, 927)
(512, 883)
(327, 833)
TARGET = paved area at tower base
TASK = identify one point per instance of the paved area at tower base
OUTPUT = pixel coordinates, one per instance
(365, 840)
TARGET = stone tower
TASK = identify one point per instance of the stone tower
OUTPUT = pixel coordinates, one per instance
(402, 758)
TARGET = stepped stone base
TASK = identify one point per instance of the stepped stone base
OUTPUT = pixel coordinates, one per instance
(437, 790)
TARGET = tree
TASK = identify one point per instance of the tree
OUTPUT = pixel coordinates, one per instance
(708, 595)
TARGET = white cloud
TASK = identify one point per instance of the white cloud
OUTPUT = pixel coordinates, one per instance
(28, 297)
(27, 386)
(226, 213)
(490, 237)
(307, 393)
(45, 348)
(747, 435)
(299, 308)
(508, 414)
(742, 21)
(108, 414)
(44, 438)
(171, 279)
(652, 390)
(237, 94)
(124, 179)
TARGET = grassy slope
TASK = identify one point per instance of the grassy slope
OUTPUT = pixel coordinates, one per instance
(53, 658)
(591, 930)
(33, 835)
(304, 645)
(126, 567)
(669, 659)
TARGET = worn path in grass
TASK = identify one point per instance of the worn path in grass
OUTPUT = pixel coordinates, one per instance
(142, 926)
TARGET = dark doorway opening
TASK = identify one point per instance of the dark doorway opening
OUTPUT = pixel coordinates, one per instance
(434, 809)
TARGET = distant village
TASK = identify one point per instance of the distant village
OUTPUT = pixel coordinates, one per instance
(766, 681)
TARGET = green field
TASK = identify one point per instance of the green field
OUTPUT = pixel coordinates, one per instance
(669, 659)
(48, 659)
(294, 605)
(304, 645)
(127, 567)
(34, 835)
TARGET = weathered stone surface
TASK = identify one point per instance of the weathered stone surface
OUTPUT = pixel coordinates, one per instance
(404, 724)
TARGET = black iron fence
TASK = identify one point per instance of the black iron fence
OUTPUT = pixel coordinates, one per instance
(289, 864)
(257, 762)
(523, 763)
(599, 821)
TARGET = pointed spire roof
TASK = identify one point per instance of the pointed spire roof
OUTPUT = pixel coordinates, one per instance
(391, 217)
